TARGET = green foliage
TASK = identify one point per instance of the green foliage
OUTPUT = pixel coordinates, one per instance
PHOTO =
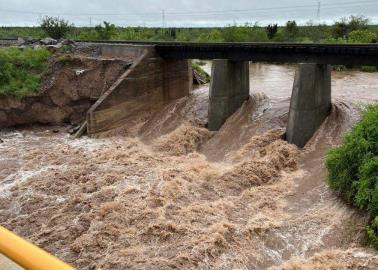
(56, 27)
(21, 70)
(343, 27)
(353, 167)
(246, 33)
(291, 30)
(344, 31)
(271, 30)
(315, 32)
(213, 36)
(369, 69)
(362, 36)
(200, 63)
(372, 232)
(201, 71)
(105, 32)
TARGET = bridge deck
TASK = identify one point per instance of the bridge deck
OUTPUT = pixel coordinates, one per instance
(335, 54)
(275, 52)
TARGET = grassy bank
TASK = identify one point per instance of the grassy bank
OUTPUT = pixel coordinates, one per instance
(353, 168)
(21, 70)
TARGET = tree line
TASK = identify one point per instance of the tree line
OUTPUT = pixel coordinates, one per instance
(353, 29)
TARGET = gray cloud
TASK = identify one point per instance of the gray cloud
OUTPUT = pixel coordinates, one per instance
(182, 12)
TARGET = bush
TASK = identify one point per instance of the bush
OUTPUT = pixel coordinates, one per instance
(362, 36)
(342, 28)
(353, 167)
(372, 232)
(56, 27)
(105, 32)
(271, 30)
(213, 36)
(369, 69)
(291, 30)
(21, 70)
(204, 75)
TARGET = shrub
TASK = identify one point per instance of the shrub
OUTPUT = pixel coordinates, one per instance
(21, 70)
(369, 69)
(372, 232)
(213, 36)
(353, 167)
(342, 28)
(56, 27)
(362, 36)
(291, 30)
(271, 30)
(105, 32)
(204, 75)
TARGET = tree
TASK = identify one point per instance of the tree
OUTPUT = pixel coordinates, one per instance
(173, 33)
(56, 27)
(105, 32)
(213, 36)
(358, 23)
(342, 28)
(291, 30)
(271, 30)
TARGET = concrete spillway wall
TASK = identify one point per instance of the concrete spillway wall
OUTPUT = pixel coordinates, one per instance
(149, 84)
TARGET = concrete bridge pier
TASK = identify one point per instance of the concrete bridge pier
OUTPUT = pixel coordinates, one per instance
(229, 88)
(310, 102)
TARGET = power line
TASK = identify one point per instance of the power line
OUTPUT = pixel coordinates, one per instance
(318, 12)
(163, 18)
(210, 12)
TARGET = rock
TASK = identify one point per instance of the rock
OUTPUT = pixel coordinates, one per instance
(49, 41)
(30, 41)
(20, 41)
(37, 46)
(79, 71)
(1, 141)
(66, 42)
(54, 48)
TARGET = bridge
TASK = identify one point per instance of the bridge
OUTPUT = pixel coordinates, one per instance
(161, 73)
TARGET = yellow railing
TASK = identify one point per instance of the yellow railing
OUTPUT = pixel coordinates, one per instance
(27, 255)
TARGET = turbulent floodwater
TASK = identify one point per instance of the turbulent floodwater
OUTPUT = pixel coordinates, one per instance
(172, 195)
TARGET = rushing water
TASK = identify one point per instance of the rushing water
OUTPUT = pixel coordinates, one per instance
(175, 196)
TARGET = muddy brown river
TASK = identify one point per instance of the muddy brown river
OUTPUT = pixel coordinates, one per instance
(168, 194)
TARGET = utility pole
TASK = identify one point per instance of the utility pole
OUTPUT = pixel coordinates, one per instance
(318, 13)
(90, 21)
(163, 18)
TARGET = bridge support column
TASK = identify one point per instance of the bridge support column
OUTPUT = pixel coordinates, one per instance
(310, 102)
(229, 88)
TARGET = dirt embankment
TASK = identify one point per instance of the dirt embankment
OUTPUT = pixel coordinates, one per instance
(69, 88)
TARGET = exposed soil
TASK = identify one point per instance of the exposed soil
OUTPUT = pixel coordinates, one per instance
(70, 87)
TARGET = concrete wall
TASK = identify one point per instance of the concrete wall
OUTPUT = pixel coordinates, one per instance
(310, 102)
(124, 50)
(149, 84)
(229, 88)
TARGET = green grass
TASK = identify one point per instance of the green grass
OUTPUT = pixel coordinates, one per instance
(353, 168)
(21, 70)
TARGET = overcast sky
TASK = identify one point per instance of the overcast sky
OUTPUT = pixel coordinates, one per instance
(183, 12)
